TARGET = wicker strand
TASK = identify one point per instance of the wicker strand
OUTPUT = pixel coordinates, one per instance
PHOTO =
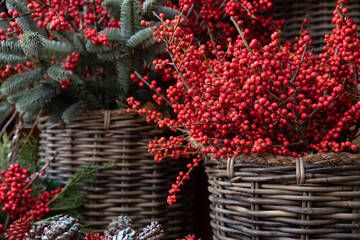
(300, 171)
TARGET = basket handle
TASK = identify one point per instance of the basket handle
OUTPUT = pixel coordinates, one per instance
(300, 171)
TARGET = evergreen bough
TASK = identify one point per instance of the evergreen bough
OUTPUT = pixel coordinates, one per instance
(132, 48)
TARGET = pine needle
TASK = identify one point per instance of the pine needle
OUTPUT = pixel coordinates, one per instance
(74, 184)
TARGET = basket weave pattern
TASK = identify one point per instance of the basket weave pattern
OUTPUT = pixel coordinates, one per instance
(136, 186)
(252, 200)
(320, 13)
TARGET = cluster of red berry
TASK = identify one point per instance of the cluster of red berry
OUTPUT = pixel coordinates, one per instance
(16, 195)
(249, 97)
(70, 65)
(14, 26)
(95, 37)
(79, 14)
(9, 70)
(213, 17)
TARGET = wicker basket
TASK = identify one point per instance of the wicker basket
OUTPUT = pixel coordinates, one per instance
(136, 186)
(320, 13)
(315, 197)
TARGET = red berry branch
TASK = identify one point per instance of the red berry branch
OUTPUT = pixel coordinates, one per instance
(249, 97)
(16, 198)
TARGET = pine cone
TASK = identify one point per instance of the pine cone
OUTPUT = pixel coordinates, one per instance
(36, 231)
(65, 228)
(18, 229)
(152, 232)
(93, 236)
(118, 224)
(125, 234)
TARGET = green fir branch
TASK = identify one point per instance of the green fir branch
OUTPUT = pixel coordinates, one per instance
(57, 48)
(15, 97)
(32, 44)
(157, 49)
(140, 37)
(127, 19)
(11, 59)
(152, 5)
(73, 199)
(5, 149)
(148, 43)
(28, 157)
(37, 96)
(124, 69)
(80, 43)
(114, 35)
(169, 12)
(110, 55)
(20, 81)
(14, 48)
(25, 20)
(31, 114)
(113, 7)
(73, 111)
(76, 182)
(79, 92)
(58, 73)
(63, 36)
(138, 15)
(57, 106)
(100, 48)
(148, 59)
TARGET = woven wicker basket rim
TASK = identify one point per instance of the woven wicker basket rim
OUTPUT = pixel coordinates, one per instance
(116, 112)
(321, 158)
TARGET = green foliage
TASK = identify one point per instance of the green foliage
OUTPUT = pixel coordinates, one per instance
(12, 59)
(73, 110)
(114, 35)
(140, 37)
(64, 36)
(50, 184)
(32, 45)
(71, 197)
(57, 106)
(109, 55)
(5, 148)
(28, 156)
(20, 81)
(127, 19)
(11, 53)
(27, 153)
(57, 48)
(80, 43)
(79, 92)
(91, 47)
(123, 73)
(5, 109)
(14, 48)
(37, 96)
(169, 12)
(25, 21)
(58, 73)
(113, 7)
(152, 5)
